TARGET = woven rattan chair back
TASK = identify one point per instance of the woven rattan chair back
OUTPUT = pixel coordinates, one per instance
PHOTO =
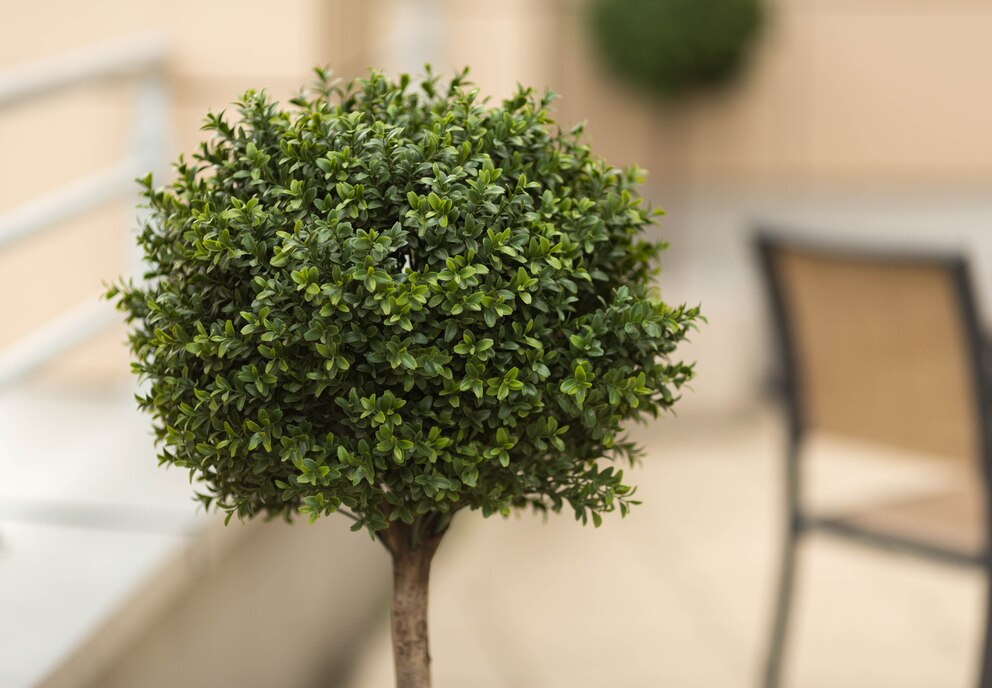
(880, 350)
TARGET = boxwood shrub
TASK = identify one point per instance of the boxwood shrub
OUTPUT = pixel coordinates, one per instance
(395, 300)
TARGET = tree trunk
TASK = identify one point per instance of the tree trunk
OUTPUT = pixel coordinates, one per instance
(411, 576)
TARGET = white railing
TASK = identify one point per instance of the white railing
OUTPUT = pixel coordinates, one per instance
(141, 59)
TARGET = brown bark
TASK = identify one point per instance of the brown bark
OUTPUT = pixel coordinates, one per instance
(412, 554)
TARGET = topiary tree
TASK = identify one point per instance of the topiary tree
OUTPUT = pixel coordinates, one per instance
(673, 47)
(398, 303)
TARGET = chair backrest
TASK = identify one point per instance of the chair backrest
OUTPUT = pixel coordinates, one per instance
(880, 348)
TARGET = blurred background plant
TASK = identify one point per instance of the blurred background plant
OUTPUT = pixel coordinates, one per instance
(671, 48)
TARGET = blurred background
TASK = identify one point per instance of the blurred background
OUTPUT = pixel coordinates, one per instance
(856, 120)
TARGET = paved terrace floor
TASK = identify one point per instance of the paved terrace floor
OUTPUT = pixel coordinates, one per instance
(678, 593)
(675, 595)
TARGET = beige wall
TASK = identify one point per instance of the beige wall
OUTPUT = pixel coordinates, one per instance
(860, 95)
(840, 92)
(217, 49)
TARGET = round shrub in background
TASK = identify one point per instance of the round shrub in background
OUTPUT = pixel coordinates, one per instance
(673, 47)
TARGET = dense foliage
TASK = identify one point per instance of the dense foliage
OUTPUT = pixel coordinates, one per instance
(393, 300)
(672, 47)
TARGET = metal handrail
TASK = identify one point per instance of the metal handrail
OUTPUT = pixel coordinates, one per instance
(141, 58)
(128, 57)
(48, 209)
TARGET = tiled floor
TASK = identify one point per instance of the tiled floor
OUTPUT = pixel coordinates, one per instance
(678, 594)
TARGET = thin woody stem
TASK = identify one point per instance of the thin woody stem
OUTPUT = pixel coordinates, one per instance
(412, 548)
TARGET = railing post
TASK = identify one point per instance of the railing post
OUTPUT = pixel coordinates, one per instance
(150, 151)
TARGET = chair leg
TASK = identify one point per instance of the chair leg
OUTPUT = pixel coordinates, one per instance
(985, 675)
(783, 608)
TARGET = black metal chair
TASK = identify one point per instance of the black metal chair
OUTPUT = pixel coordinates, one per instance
(883, 349)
